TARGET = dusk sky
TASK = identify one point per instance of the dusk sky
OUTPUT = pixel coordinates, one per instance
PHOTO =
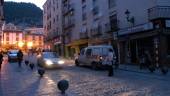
(39, 3)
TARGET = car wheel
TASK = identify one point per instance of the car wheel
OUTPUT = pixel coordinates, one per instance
(77, 63)
(93, 66)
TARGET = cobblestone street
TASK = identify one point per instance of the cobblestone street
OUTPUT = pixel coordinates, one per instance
(83, 82)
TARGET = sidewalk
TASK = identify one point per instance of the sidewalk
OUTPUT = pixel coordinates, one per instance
(135, 68)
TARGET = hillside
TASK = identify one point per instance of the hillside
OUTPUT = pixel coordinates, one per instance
(25, 14)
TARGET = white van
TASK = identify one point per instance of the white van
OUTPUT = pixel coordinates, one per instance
(94, 56)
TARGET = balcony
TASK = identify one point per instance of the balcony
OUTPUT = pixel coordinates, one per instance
(136, 29)
(83, 35)
(64, 1)
(69, 23)
(68, 8)
(111, 28)
(158, 12)
(96, 31)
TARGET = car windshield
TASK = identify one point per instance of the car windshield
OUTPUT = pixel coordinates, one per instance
(50, 55)
(13, 52)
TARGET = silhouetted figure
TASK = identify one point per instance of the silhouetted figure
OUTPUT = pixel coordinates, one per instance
(31, 66)
(1, 59)
(32, 60)
(110, 60)
(20, 57)
(27, 59)
(142, 61)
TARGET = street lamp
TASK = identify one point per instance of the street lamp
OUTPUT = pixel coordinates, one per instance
(129, 19)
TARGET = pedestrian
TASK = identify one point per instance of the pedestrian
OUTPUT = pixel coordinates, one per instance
(1, 59)
(110, 62)
(148, 59)
(142, 61)
(27, 59)
(20, 57)
(32, 60)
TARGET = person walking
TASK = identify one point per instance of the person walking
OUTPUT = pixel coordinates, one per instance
(32, 60)
(20, 57)
(110, 61)
(1, 59)
(142, 61)
(26, 58)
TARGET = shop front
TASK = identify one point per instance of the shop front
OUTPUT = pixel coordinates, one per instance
(155, 42)
(75, 47)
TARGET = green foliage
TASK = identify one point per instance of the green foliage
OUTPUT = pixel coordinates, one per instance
(23, 13)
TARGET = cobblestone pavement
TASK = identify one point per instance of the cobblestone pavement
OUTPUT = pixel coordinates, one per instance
(16, 81)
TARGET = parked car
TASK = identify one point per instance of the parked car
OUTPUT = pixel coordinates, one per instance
(50, 60)
(94, 56)
(12, 55)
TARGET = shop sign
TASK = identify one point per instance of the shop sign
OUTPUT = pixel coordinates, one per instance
(135, 29)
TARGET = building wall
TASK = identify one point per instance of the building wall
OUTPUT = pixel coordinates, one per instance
(36, 36)
(52, 18)
(138, 9)
(102, 17)
(12, 37)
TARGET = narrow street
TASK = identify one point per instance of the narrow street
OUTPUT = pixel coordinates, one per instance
(23, 81)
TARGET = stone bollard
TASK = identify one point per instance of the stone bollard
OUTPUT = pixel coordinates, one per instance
(41, 72)
(63, 86)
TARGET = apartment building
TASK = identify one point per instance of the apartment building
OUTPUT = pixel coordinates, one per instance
(52, 22)
(12, 36)
(143, 26)
(131, 26)
(85, 23)
(34, 38)
(1, 17)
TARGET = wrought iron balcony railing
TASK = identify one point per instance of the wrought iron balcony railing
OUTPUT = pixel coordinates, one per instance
(158, 12)
(69, 23)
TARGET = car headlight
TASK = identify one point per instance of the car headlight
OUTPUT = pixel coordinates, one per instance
(48, 62)
(61, 62)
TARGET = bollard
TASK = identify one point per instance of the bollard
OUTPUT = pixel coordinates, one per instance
(63, 86)
(41, 72)
(164, 70)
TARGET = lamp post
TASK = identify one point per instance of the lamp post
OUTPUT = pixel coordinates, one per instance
(131, 20)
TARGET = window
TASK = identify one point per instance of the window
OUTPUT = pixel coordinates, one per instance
(39, 38)
(113, 22)
(82, 52)
(96, 10)
(7, 38)
(17, 39)
(83, 1)
(33, 37)
(111, 3)
(84, 13)
(88, 52)
(84, 17)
